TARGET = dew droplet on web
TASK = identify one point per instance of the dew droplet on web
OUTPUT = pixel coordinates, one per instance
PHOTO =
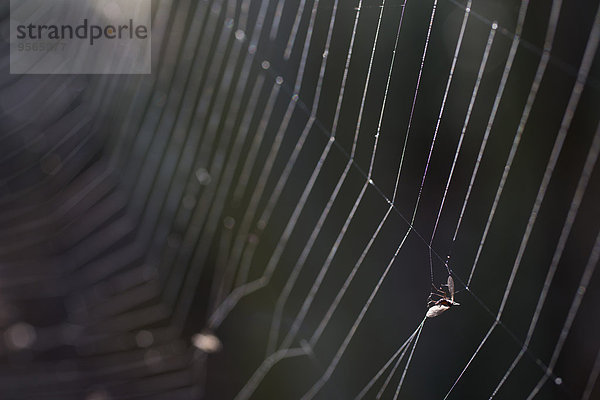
(144, 338)
(206, 342)
(20, 336)
(203, 176)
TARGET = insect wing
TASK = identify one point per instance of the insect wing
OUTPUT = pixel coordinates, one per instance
(451, 287)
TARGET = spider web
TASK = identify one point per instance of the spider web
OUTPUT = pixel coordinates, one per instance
(293, 178)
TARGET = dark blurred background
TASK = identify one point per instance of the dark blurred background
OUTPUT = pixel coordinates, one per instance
(132, 206)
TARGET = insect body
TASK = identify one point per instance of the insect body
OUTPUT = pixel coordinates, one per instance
(445, 301)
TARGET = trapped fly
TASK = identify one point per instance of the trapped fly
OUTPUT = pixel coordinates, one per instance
(445, 301)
